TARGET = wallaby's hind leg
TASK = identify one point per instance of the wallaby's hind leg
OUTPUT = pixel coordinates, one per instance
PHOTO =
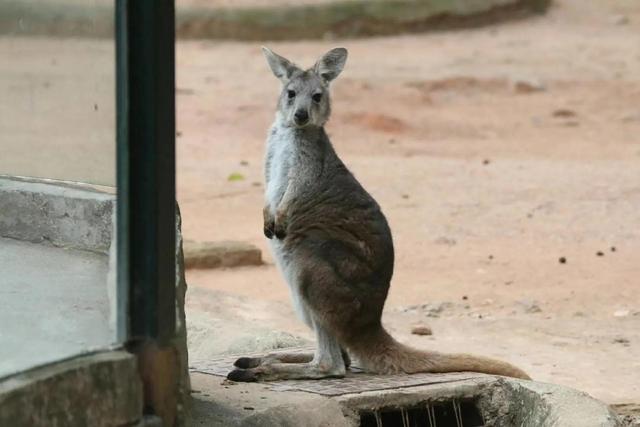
(327, 362)
(254, 362)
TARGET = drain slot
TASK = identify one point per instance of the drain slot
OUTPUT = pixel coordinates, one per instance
(447, 414)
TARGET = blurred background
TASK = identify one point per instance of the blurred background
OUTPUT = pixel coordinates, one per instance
(500, 137)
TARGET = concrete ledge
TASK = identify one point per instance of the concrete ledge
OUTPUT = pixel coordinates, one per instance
(502, 402)
(62, 215)
(95, 390)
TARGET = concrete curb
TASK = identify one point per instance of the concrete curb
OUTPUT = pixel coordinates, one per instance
(503, 402)
(94, 390)
(40, 211)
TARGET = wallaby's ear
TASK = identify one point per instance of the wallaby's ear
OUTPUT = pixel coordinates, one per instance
(282, 68)
(331, 64)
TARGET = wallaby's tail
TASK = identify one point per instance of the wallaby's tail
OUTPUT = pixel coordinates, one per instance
(380, 353)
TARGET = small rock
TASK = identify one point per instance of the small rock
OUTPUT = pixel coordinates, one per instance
(528, 86)
(248, 408)
(564, 113)
(445, 241)
(530, 306)
(421, 330)
(612, 249)
(632, 117)
(486, 161)
(621, 340)
(621, 313)
(405, 196)
(220, 254)
(435, 309)
(464, 297)
(599, 253)
(490, 256)
(619, 20)
(244, 163)
(562, 260)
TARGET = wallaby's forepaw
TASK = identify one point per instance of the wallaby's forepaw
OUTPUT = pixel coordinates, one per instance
(269, 222)
(269, 229)
(280, 231)
(280, 228)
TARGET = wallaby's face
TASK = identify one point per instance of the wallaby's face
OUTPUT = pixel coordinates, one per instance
(304, 100)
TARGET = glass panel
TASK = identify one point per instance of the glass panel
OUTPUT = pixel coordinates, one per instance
(57, 122)
(57, 111)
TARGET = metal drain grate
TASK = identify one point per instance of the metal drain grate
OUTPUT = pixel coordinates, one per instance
(450, 414)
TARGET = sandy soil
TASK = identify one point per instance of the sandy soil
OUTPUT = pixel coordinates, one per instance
(485, 186)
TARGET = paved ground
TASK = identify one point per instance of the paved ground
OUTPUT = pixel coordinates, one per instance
(485, 187)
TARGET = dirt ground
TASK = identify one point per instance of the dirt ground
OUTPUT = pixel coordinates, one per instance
(493, 152)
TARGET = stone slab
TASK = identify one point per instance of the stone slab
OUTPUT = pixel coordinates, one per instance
(220, 254)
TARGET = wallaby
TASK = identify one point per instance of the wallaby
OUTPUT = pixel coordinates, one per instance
(332, 244)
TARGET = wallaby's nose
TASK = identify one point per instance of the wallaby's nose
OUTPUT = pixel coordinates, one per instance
(301, 117)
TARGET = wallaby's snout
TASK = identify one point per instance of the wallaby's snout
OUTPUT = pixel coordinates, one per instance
(301, 117)
(304, 100)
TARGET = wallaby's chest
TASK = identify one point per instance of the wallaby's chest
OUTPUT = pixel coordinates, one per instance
(278, 164)
(286, 161)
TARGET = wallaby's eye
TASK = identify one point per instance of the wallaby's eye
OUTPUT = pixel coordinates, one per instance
(317, 97)
(291, 94)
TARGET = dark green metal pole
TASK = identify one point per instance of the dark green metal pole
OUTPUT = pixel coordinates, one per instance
(146, 168)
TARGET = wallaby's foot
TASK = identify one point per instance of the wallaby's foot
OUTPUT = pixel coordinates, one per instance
(269, 222)
(287, 371)
(326, 362)
(254, 362)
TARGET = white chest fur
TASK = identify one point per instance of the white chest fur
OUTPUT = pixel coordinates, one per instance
(280, 152)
